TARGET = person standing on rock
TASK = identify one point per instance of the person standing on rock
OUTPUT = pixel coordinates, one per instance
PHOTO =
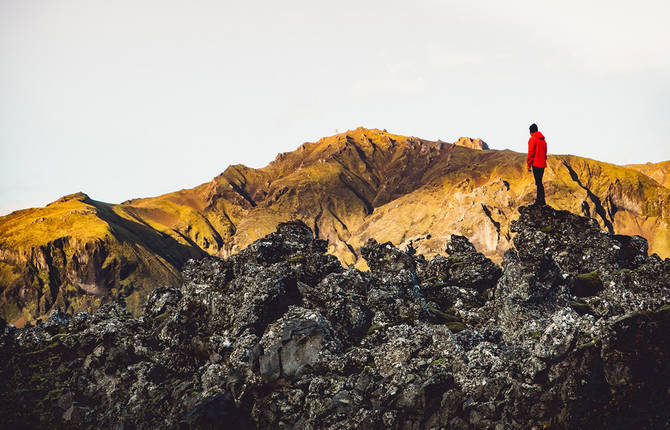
(537, 161)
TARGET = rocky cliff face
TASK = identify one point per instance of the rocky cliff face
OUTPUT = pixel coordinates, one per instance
(570, 333)
(347, 188)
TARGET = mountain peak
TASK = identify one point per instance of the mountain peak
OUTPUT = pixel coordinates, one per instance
(79, 196)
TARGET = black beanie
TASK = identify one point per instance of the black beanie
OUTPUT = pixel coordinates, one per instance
(533, 128)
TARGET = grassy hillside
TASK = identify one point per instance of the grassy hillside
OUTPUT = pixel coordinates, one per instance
(77, 253)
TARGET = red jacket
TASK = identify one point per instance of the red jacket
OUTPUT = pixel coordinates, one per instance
(537, 150)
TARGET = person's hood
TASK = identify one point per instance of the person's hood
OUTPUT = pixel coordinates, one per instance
(538, 135)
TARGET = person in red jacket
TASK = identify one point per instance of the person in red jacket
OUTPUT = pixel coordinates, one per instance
(537, 160)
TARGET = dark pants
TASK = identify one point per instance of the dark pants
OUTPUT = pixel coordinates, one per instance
(538, 172)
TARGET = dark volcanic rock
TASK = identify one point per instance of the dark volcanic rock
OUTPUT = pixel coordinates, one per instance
(571, 333)
(464, 267)
(386, 258)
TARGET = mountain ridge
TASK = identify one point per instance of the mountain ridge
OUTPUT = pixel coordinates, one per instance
(348, 187)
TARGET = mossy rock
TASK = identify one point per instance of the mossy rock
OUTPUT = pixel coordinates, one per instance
(659, 313)
(456, 326)
(587, 284)
(297, 259)
(373, 328)
(548, 229)
(453, 259)
(443, 317)
(160, 318)
(582, 308)
(55, 342)
(60, 336)
(593, 343)
(53, 395)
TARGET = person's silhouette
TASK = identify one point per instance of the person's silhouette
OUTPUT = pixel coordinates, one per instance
(537, 161)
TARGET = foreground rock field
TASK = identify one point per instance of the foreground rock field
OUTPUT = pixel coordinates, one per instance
(571, 332)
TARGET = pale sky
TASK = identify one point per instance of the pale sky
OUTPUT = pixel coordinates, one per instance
(122, 99)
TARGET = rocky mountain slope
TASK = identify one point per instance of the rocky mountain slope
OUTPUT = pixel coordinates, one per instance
(77, 253)
(570, 333)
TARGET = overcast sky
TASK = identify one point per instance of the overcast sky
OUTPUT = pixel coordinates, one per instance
(124, 99)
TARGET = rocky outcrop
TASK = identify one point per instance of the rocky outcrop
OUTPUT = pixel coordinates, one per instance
(571, 333)
(471, 143)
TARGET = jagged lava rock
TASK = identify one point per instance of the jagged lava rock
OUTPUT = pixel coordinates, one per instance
(571, 333)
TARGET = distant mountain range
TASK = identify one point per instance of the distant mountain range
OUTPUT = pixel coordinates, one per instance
(77, 253)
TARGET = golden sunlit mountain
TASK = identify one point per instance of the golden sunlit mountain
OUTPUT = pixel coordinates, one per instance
(77, 253)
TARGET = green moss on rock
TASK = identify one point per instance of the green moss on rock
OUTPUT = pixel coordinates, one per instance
(443, 317)
(160, 318)
(587, 284)
(593, 343)
(453, 259)
(581, 307)
(373, 328)
(297, 259)
(548, 229)
(456, 326)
